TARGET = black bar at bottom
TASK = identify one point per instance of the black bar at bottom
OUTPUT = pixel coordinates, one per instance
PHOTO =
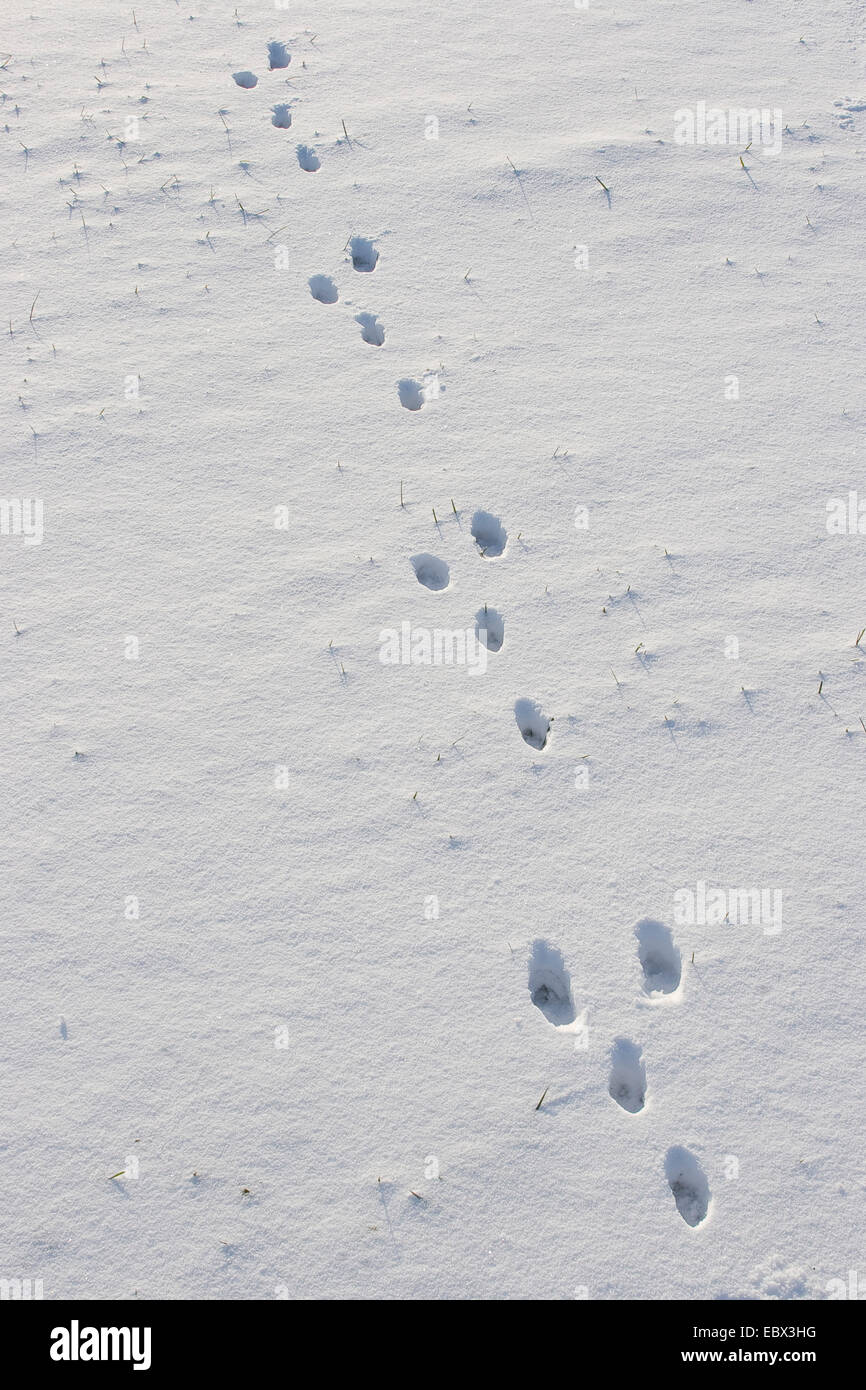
(166, 1338)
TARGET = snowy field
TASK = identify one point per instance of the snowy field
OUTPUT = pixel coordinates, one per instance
(350, 953)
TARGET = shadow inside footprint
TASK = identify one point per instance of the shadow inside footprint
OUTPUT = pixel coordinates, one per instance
(278, 55)
(688, 1183)
(489, 534)
(550, 984)
(533, 725)
(490, 628)
(627, 1083)
(372, 331)
(323, 288)
(308, 159)
(411, 394)
(430, 571)
(245, 79)
(364, 253)
(659, 957)
(282, 117)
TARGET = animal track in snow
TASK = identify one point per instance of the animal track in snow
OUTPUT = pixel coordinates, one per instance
(308, 159)
(282, 117)
(659, 957)
(550, 984)
(323, 288)
(372, 331)
(489, 534)
(364, 253)
(490, 628)
(688, 1183)
(533, 725)
(245, 79)
(411, 393)
(278, 55)
(627, 1082)
(432, 572)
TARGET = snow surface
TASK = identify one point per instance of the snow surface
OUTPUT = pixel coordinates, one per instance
(310, 1087)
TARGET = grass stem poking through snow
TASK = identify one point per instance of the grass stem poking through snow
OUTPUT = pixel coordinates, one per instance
(522, 189)
(544, 1093)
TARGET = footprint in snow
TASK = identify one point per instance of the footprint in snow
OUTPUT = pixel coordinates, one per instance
(308, 159)
(245, 79)
(490, 628)
(533, 725)
(371, 329)
(627, 1083)
(550, 984)
(489, 534)
(688, 1183)
(278, 55)
(323, 288)
(432, 572)
(659, 957)
(364, 253)
(282, 117)
(411, 393)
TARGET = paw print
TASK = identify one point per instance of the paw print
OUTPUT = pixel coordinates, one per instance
(278, 57)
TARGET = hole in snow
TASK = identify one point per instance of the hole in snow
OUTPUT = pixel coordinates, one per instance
(550, 984)
(282, 117)
(308, 159)
(489, 533)
(364, 253)
(660, 960)
(490, 628)
(323, 288)
(278, 55)
(430, 571)
(411, 393)
(371, 330)
(627, 1082)
(533, 725)
(688, 1183)
(245, 79)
